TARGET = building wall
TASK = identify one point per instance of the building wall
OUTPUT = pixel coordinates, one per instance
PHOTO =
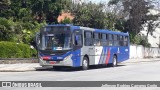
(139, 52)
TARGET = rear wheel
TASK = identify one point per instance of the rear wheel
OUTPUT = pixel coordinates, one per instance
(85, 63)
(114, 61)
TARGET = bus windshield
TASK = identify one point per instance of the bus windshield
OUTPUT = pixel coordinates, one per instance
(55, 40)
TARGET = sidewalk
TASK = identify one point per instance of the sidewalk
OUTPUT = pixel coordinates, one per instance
(131, 61)
(22, 67)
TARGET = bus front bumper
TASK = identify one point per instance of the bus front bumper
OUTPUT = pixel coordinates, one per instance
(65, 62)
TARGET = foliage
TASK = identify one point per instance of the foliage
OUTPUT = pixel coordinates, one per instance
(21, 19)
(6, 29)
(96, 16)
(15, 50)
(66, 21)
(139, 40)
(48, 10)
(21, 32)
(4, 4)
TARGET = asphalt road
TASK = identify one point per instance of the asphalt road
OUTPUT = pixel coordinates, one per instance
(144, 71)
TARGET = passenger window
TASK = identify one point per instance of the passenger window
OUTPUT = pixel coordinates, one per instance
(104, 37)
(88, 38)
(116, 40)
(111, 42)
(110, 37)
(126, 41)
(97, 40)
(104, 40)
(121, 40)
(115, 37)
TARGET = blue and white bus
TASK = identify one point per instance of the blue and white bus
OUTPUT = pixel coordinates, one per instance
(76, 46)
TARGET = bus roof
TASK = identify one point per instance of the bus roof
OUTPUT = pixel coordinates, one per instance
(92, 29)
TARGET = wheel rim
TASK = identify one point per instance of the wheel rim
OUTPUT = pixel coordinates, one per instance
(114, 61)
(85, 63)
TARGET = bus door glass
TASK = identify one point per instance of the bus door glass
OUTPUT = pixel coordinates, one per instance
(77, 39)
(77, 45)
(89, 47)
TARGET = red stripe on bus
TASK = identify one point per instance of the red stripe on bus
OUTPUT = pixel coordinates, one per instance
(108, 56)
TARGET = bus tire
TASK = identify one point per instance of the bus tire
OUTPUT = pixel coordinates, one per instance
(85, 63)
(114, 61)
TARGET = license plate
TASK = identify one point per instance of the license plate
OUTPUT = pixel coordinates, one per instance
(51, 62)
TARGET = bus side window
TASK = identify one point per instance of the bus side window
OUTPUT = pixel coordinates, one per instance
(125, 40)
(88, 38)
(121, 40)
(116, 40)
(78, 40)
(104, 40)
(110, 40)
(97, 37)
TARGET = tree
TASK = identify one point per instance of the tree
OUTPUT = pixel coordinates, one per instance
(89, 15)
(48, 10)
(6, 29)
(137, 13)
(4, 4)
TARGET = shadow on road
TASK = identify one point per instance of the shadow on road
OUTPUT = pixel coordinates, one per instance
(67, 69)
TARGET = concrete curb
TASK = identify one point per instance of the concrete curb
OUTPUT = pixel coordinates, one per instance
(16, 70)
(18, 60)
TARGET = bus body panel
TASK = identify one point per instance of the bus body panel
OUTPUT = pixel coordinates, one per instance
(76, 58)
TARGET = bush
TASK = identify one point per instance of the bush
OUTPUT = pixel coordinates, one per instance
(14, 50)
(139, 40)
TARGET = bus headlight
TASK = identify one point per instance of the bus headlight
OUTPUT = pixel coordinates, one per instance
(68, 57)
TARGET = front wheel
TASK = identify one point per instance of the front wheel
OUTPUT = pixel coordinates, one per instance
(85, 63)
(114, 61)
